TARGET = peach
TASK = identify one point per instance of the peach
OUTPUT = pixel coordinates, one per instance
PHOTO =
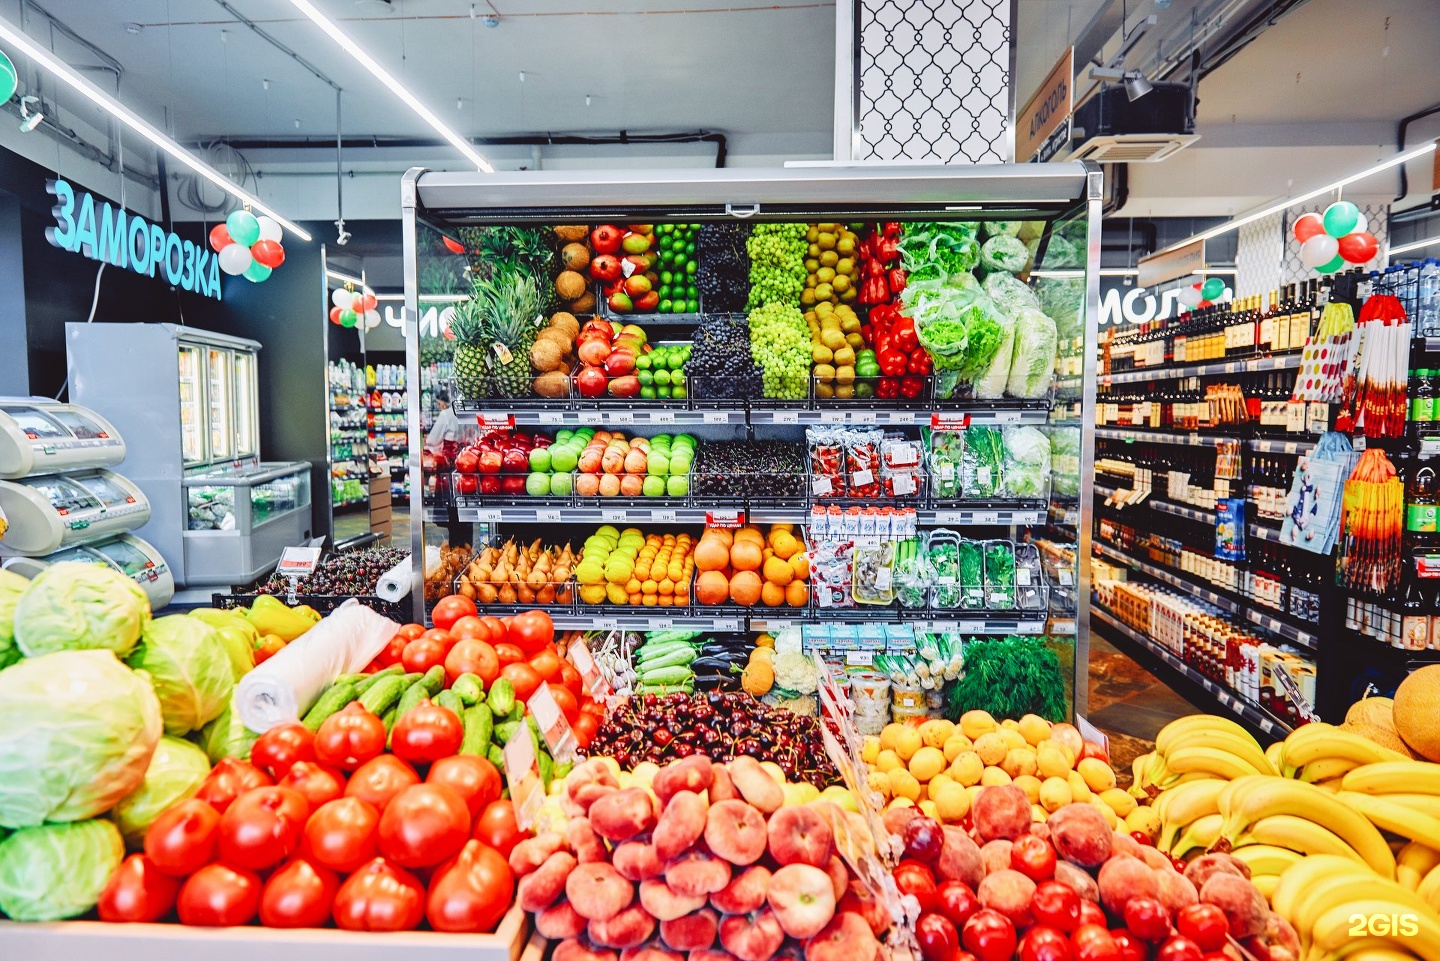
(1077, 880)
(1155, 859)
(609, 484)
(710, 954)
(1242, 902)
(846, 938)
(559, 921)
(1122, 878)
(1080, 834)
(802, 898)
(1278, 942)
(895, 819)
(530, 853)
(695, 774)
(587, 794)
(696, 873)
(693, 932)
(593, 771)
(623, 814)
(756, 785)
(573, 949)
(839, 876)
(584, 841)
(597, 892)
(681, 824)
(1001, 811)
(1041, 829)
(959, 859)
(636, 861)
(1008, 892)
(995, 855)
(799, 835)
(722, 788)
(543, 886)
(735, 831)
(649, 952)
(630, 927)
(753, 937)
(745, 892)
(859, 900)
(1122, 843)
(664, 903)
(1199, 871)
(1176, 893)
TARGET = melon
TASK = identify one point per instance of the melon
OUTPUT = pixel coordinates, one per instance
(1374, 719)
(1417, 705)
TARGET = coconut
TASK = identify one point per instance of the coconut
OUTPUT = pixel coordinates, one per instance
(566, 321)
(553, 384)
(583, 304)
(570, 285)
(1417, 704)
(571, 232)
(546, 355)
(575, 256)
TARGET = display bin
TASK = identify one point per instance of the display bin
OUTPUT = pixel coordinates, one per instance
(324, 603)
(708, 393)
(491, 399)
(240, 521)
(606, 399)
(512, 491)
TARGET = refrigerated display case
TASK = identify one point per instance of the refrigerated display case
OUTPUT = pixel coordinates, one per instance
(126, 553)
(49, 512)
(240, 520)
(43, 437)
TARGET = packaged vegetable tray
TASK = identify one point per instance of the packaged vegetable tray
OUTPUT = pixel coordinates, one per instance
(1030, 594)
(914, 575)
(999, 559)
(943, 553)
(873, 581)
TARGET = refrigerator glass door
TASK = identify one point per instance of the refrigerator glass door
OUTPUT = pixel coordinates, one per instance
(192, 400)
(247, 441)
(221, 403)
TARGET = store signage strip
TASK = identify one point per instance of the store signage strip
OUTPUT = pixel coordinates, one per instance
(1047, 111)
(1170, 264)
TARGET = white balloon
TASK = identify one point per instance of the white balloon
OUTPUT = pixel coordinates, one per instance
(1361, 224)
(1320, 249)
(372, 319)
(270, 229)
(234, 258)
(1227, 295)
(342, 298)
(1189, 296)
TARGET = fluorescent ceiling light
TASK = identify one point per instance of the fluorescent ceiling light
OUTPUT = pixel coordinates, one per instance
(431, 298)
(135, 122)
(1119, 272)
(396, 87)
(1214, 270)
(1414, 245)
(1230, 225)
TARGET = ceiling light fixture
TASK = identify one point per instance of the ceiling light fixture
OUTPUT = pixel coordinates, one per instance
(396, 87)
(1414, 245)
(29, 120)
(1136, 86)
(42, 56)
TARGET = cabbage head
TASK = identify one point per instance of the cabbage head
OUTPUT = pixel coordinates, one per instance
(176, 772)
(1027, 462)
(12, 585)
(1004, 253)
(187, 662)
(1033, 366)
(57, 871)
(77, 729)
(75, 605)
(226, 736)
(236, 633)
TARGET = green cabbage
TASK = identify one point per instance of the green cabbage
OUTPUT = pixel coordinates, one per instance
(236, 633)
(1004, 253)
(990, 385)
(176, 771)
(1027, 462)
(77, 729)
(1061, 299)
(226, 736)
(1009, 294)
(1033, 366)
(57, 871)
(1003, 228)
(75, 605)
(187, 662)
(12, 585)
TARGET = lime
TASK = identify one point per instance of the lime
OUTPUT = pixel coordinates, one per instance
(662, 377)
(643, 362)
(692, 306)
(690, 247)
(647, 392)
(660, 392)
(647, 377)
(692, 292)
(665, 304)
(666, 278)
(675, 361)
(679, 391)
(690, 267)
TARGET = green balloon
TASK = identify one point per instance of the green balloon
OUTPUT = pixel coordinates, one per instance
(348, 317)
(244, 228)
(1329, 267)
(1341, 218)
(1213, 288)
(8, 78)
(257, 272)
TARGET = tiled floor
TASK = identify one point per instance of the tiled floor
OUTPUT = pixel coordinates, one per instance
(1129, 704)
(354, 521)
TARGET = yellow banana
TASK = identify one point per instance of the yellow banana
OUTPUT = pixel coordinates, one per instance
(1326, 768)
(1334, 928)
(1315, 741)
(1216, 762)
(1296, 881)
(1403, 817)
(1252, 801)
(1181, 805)
(1266, 858)
(1222, 741)
(1395, 777)
(1377, 952)
(1331, 786)
(1138, 767)
(1414, 861)
(1332, 892)
(1274, 753)
(1200, 835)
(1429, 889)
(1300, 835)
(1266, 884)
(1171, 733)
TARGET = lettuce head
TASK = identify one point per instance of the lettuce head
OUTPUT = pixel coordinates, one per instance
(12, 585)
(187, 662)
(176, 771)
(57, 871)
(75, 606)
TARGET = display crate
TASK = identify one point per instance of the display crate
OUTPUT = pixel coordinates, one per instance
(503, 499)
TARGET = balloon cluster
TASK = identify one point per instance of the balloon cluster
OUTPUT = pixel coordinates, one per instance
(1335, 238)
(348, 306)
(1202, 294)
(248, 245)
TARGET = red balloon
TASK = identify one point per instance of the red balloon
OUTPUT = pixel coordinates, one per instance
(335, 315)
(1307, 226)
(371, 302)
(1357, 248)
(268, 253)
(1205, 303)
(220, 237)
(454, 246)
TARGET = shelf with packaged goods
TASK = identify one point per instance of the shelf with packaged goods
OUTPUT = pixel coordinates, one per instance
(1162, 661)
(1188, 439)
(1265, 445)
(1166, 507)
(1210, 368)
(500, 417)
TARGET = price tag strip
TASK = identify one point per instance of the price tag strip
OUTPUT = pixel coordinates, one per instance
(522, 777)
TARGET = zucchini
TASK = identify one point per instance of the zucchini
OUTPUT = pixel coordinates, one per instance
(665, 637)
(678, 658)
(652, 653)
(666, 675)
(334, 698)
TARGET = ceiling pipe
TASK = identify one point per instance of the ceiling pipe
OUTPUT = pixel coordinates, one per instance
(720, 140)
(270, 39)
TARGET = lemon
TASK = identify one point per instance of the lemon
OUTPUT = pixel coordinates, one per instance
(1054, 793)
(1097, 774)
(926, 763)
(1018, 761)
(955, 745)
(1034, 728)
(888, 761)
(967, 768)
(1079, 790)
(975, 723)
(1030, 784)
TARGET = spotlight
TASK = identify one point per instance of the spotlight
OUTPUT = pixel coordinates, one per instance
(342, 236)
(29, 120)
(1136, 86)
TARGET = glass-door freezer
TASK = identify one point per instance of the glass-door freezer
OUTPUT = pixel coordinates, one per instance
(220, 403)
(192, 405)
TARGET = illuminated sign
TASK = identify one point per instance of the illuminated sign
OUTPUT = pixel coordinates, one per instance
(1136, 305)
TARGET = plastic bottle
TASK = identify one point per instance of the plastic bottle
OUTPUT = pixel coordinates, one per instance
(1427, 300)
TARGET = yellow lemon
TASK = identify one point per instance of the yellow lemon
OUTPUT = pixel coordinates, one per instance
(1018, 761)
(955, 745)
(936, 732)
(1079, 790)
(1051, 761)
(951, 801)
(871, 749)
(1097, 774)
(1034, 728)
(927, 762)
(967, 768)
(994, 776)
(888, 761)
(1054, 793)
(975, 723)
(1030, 784)
(1119, 801)
(991, 747)
(1143, 819)
(903, 784)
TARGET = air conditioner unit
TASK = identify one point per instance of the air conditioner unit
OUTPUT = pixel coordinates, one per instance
(1111, 128)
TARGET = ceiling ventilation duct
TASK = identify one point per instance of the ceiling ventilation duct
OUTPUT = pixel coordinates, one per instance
(1112, 128)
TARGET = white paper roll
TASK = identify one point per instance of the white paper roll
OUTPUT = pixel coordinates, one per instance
(289, 683)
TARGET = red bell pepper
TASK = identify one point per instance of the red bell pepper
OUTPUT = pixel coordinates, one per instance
(888, 388)
(911, 387)
(895, 278)
(873, 290)
(903, 335)
(890, 361)
(920, 362)
(887, 248)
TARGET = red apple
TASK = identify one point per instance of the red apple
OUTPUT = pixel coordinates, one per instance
(513, 484)
(591, 382)
(637, 284)
(620, 362)
(467, 484)
(605, 268)
(467, 462)
(628, 386)
(490, 483)
(605, 239)
(621, 303)
(923, 838)
(491, 461)
(514, 461)
(593, 351)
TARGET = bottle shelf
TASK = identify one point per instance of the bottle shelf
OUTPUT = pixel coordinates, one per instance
(1251, 365)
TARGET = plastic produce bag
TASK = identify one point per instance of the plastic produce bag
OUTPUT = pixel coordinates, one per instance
(1009, 294)
(999, 575)
(982, 465)
(1033, 367)
(1004, 253)
(1061, 299)
(1029, 578)
(914, 574)
(1002, 228)
(990, 385)
(1027, 462)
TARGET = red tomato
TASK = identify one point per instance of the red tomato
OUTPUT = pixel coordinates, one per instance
(262, 828)
(411, 631)
(228, 780)
(317, 782)
(182, 839)
(441, 635)
(956, 901)
(1033, 857)
(1091, 913)
(1042, 943)
(423, 825)
(472, 656)
(343, 834)
(470, 892)
(912, 877)
(450, 609)
(378, 780)
(393, 651)
(531, 631)
(566, 702)
(1131, 947)
(989, 936)
(937, 936)
(1092, 942)
(380, 897)
(1179, 948)
(1056, 905)
(427, 732)
(1205, 924)
(138, 891)
(219, 896)
(496, 627)
(298, 895)
(497, 827)
(508, 654)
(523, 677)
(422, 654)
(585, 727)
(1148, 919)
(475, 779)
(350, 737)
(280, 747)
(547, 664)
(571, 678)
(470, 626)
(593, 707)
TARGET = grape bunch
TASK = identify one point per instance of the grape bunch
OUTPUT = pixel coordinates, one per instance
(777, 263)
(724, 274)
(720, 364)
(780, 343)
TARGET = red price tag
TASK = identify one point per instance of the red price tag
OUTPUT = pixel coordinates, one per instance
(950, 421)
(496, 421)
(730, 519)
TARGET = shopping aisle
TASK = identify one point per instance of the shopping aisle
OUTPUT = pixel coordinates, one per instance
(353, 523)
(1129, 704)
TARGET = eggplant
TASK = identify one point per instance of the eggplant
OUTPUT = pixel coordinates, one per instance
(711, 665)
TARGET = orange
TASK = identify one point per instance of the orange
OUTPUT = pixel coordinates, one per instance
(797, 594)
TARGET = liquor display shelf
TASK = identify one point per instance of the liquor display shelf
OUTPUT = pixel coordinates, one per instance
(1183, 438)
(1164, 506)
(1187, 681)
(1264, 445)
(1237, 606)
(1168, 371)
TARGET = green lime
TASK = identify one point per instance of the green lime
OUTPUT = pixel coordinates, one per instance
(677, 379)
(690, 247)
(692, 292)
(675, 361)
(661, 392)
(662, 377)
(692, 306)
(679, 391)
(690, 267)
(666, 278)
(647, 377)
(647, 392)
(643, 362)
(665, 305)
(664, 228)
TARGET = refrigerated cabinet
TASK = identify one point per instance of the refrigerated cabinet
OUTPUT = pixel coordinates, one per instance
(43, 437)
(52, 511)
(238, 521)
(126, 553)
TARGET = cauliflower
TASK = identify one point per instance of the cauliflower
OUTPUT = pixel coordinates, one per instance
(796, 672)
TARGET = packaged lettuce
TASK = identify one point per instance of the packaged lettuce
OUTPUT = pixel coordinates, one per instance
(982, 465)
(1033, 366)
(1061, 298)
(944, 449)
(1004, 253)
(1065, 460)
(990, 385)
(999, 575)
(1002, 228)
(970, 560)
(1009, 294)
(1027, 462)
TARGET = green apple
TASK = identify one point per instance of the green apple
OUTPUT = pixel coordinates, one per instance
(561, 436)
(560, 485)
(537, 484)
(653, 486)
(657, 464)
(564, 460)
(540, 460)
(677, 485)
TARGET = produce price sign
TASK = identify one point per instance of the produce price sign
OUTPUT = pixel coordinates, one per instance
(590, 675)
(950, 421)
(298, 561)
(727, 519)
(553, 725)
(495, 421)
(522, 777)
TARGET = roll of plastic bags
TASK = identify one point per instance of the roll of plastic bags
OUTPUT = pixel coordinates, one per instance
(282, 689)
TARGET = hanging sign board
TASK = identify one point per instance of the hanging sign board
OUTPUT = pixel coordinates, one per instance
(1169, 264)
(1047, 111)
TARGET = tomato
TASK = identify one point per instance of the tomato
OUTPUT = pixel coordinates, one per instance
(317, 782)
(378, 780)
(475, 779)
(262, 828)
(219, 896)
(989, 936)
(470, 627)
(350, 737)
(1043, 943)
(392, 651)
(1179, 948)
(508, 654)
(1140, 837)
(138, 891)
(1056, 905)
(593, 707)
(298, 895)
(584, 728)
(496, 627)
(423, 825)
(343, 834)
(380, 897)
(422, 654)
(470, 892)
(1205, 924)
(1092, 942)
(1033, 857)
(410, 631)
(427, 733)
(547, 664)
(228, 780)
(937, 936)
(182, 839)
(1148, 919)
(571, 678)
(450, 609)
(275, 751)
(523, 677)
(956, 901)
(530, 631)
(566, 701)
(472, 656)
(1091, 913)
(912, 877)
(497, 827)
(1131, 947)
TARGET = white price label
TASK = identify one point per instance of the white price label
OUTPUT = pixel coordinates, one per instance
(1022, 576)
(623, 416)
(900, 417)
(662, 417)
(882, 579)
(488, 515)
(522, 776)
(554, 728)
(661, 623)
(551, 417)
(298, 561)
(613, 515)
(1007, 417)
(949, 517)
(832, 417)
(904, 484)
(715, 417)
(590, 674)
(607, 623)
(986, 517)
(859, 658)
(1067, 577)
(547, 517)
(862, 478)
(663, 517)
(971, 627)
(787, 417)
(862, 417)
(821, 487)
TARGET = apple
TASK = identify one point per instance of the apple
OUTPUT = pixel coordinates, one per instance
(802, 898)
(515, 462)
(467, 484)
(923, 838)
(677, 485)
(537, 484)
(648, 301)
(653, 486)
(540, 459)
(513, 484)
(491, 461)
(635, 243)
(490, 483)
(628, 386)
(605, 239)
(591, 382)
(560, 485)
(620, 361)
(605, 268)
(620, 303)
(467, 462)
(635, 285)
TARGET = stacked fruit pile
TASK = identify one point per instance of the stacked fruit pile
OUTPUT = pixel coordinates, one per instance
(513, 573)
(746, 567)
(571, 287)
(511, 464)
(830, 265)
(613, 465)
(780, 343)
(624, 264)
(631, 568)
(835, 347)
(677, 268)
(552, 356)
(610, 361)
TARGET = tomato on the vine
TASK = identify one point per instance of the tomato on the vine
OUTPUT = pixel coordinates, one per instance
(277, 750)
(427, 732)
(298, 895)
(343, 834)
(1044, 943)
(138, 891)
(182, 839)
(262, 828)
(1205, 924)
(1056, 905)
(380, 897)
(219, 896)
(380, 779)
(450, 609)
(989, 936)
(1033, 857)
(350, 737)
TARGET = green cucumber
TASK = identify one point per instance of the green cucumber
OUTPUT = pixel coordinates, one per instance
(334, 698)
(479, 725)
(385, 694)
(451, 702)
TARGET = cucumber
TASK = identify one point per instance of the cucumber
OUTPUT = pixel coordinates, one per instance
(451, 702)
(504, 732)
(479, 725)
(428, 686)
(384, 695)
(470, 688)
(389, 718)
(496, 757)
(647, 653)
(368, 681)
(676, 658)
(334, 698)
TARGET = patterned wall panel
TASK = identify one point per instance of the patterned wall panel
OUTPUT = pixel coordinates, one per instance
(1259, 252)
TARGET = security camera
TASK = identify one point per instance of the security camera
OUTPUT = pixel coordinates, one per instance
(29, 120)
(491, 22)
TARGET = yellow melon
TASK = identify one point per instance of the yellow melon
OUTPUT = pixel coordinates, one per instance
(1417, 705)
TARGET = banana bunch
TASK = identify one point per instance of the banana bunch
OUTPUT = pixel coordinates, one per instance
(1323, 754)
(1199, 747)
(1300, 817)
(1340, 908)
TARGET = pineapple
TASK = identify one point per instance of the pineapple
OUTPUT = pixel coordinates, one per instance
(494, 331)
